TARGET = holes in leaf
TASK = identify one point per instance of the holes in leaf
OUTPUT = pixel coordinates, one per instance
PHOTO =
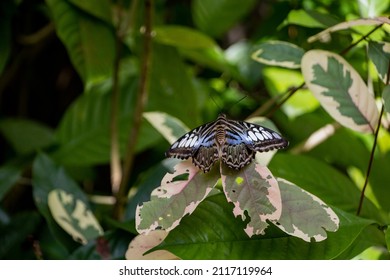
(181, 177)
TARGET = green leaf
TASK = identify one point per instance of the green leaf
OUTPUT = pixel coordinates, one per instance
(46, 177)
(26, 136)
(337, 149)
(378, 178)
(379, 53)
(14, 234)
(81, 34)
(215, 17)
(84, 133)
(370, 237)
(74, 216)
(212, 232)
(255, 193)
(213, 58)
(100, 9)
(179, 195)
(323, 181)
(171, 85)
(241, 66)
(387, 238)
(112, 246)
(10, 173)
(340, 90)
(386, 98)
(279, 53)
(303, 18)
(183, 37)
(323, 18)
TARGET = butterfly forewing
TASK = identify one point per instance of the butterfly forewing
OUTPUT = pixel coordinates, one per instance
(258, 138)
(233, 142)
(187, 145)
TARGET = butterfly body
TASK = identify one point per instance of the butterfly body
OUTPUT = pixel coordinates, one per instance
(233, 142)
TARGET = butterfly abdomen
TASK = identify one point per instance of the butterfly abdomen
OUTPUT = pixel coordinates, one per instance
(220, 135)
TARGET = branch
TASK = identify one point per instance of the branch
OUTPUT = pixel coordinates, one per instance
(142, 96)
(115, 164)
(370, 163)
(372, 150)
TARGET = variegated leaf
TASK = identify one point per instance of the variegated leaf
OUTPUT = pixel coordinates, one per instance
(253, 190)
(179, 195)
(340, 90)
(379, 53)
(73, 216)
(279, 53)
(143, 243)
(325, 34)
(169, 127)
(305, 215)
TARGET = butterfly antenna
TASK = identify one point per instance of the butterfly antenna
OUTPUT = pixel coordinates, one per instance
(215, 102)
(238, 101)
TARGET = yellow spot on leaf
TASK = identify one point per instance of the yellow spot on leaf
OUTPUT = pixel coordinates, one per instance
(239, 180)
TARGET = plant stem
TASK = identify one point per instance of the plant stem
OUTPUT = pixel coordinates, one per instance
(361, 39)
(370, 164)
(142, 96)
(115, 164)
(373, 149)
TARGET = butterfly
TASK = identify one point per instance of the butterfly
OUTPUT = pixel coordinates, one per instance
(235, 143)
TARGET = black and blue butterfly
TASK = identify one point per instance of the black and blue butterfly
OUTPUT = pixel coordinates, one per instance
(235, 143)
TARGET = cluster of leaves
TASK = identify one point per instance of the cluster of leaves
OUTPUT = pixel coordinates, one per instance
(45, 213)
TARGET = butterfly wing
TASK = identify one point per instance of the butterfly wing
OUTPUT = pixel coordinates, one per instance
(258, 138)
(244, 139)
(237, 156)
(205, 157)
(199, 144)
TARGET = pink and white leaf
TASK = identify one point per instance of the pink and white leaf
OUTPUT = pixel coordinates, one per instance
(179, 194)
(143, 243)
(253, 190)
(305, 215)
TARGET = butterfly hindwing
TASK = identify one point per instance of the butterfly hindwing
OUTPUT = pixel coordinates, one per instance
(205, 157)
(237, 156)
